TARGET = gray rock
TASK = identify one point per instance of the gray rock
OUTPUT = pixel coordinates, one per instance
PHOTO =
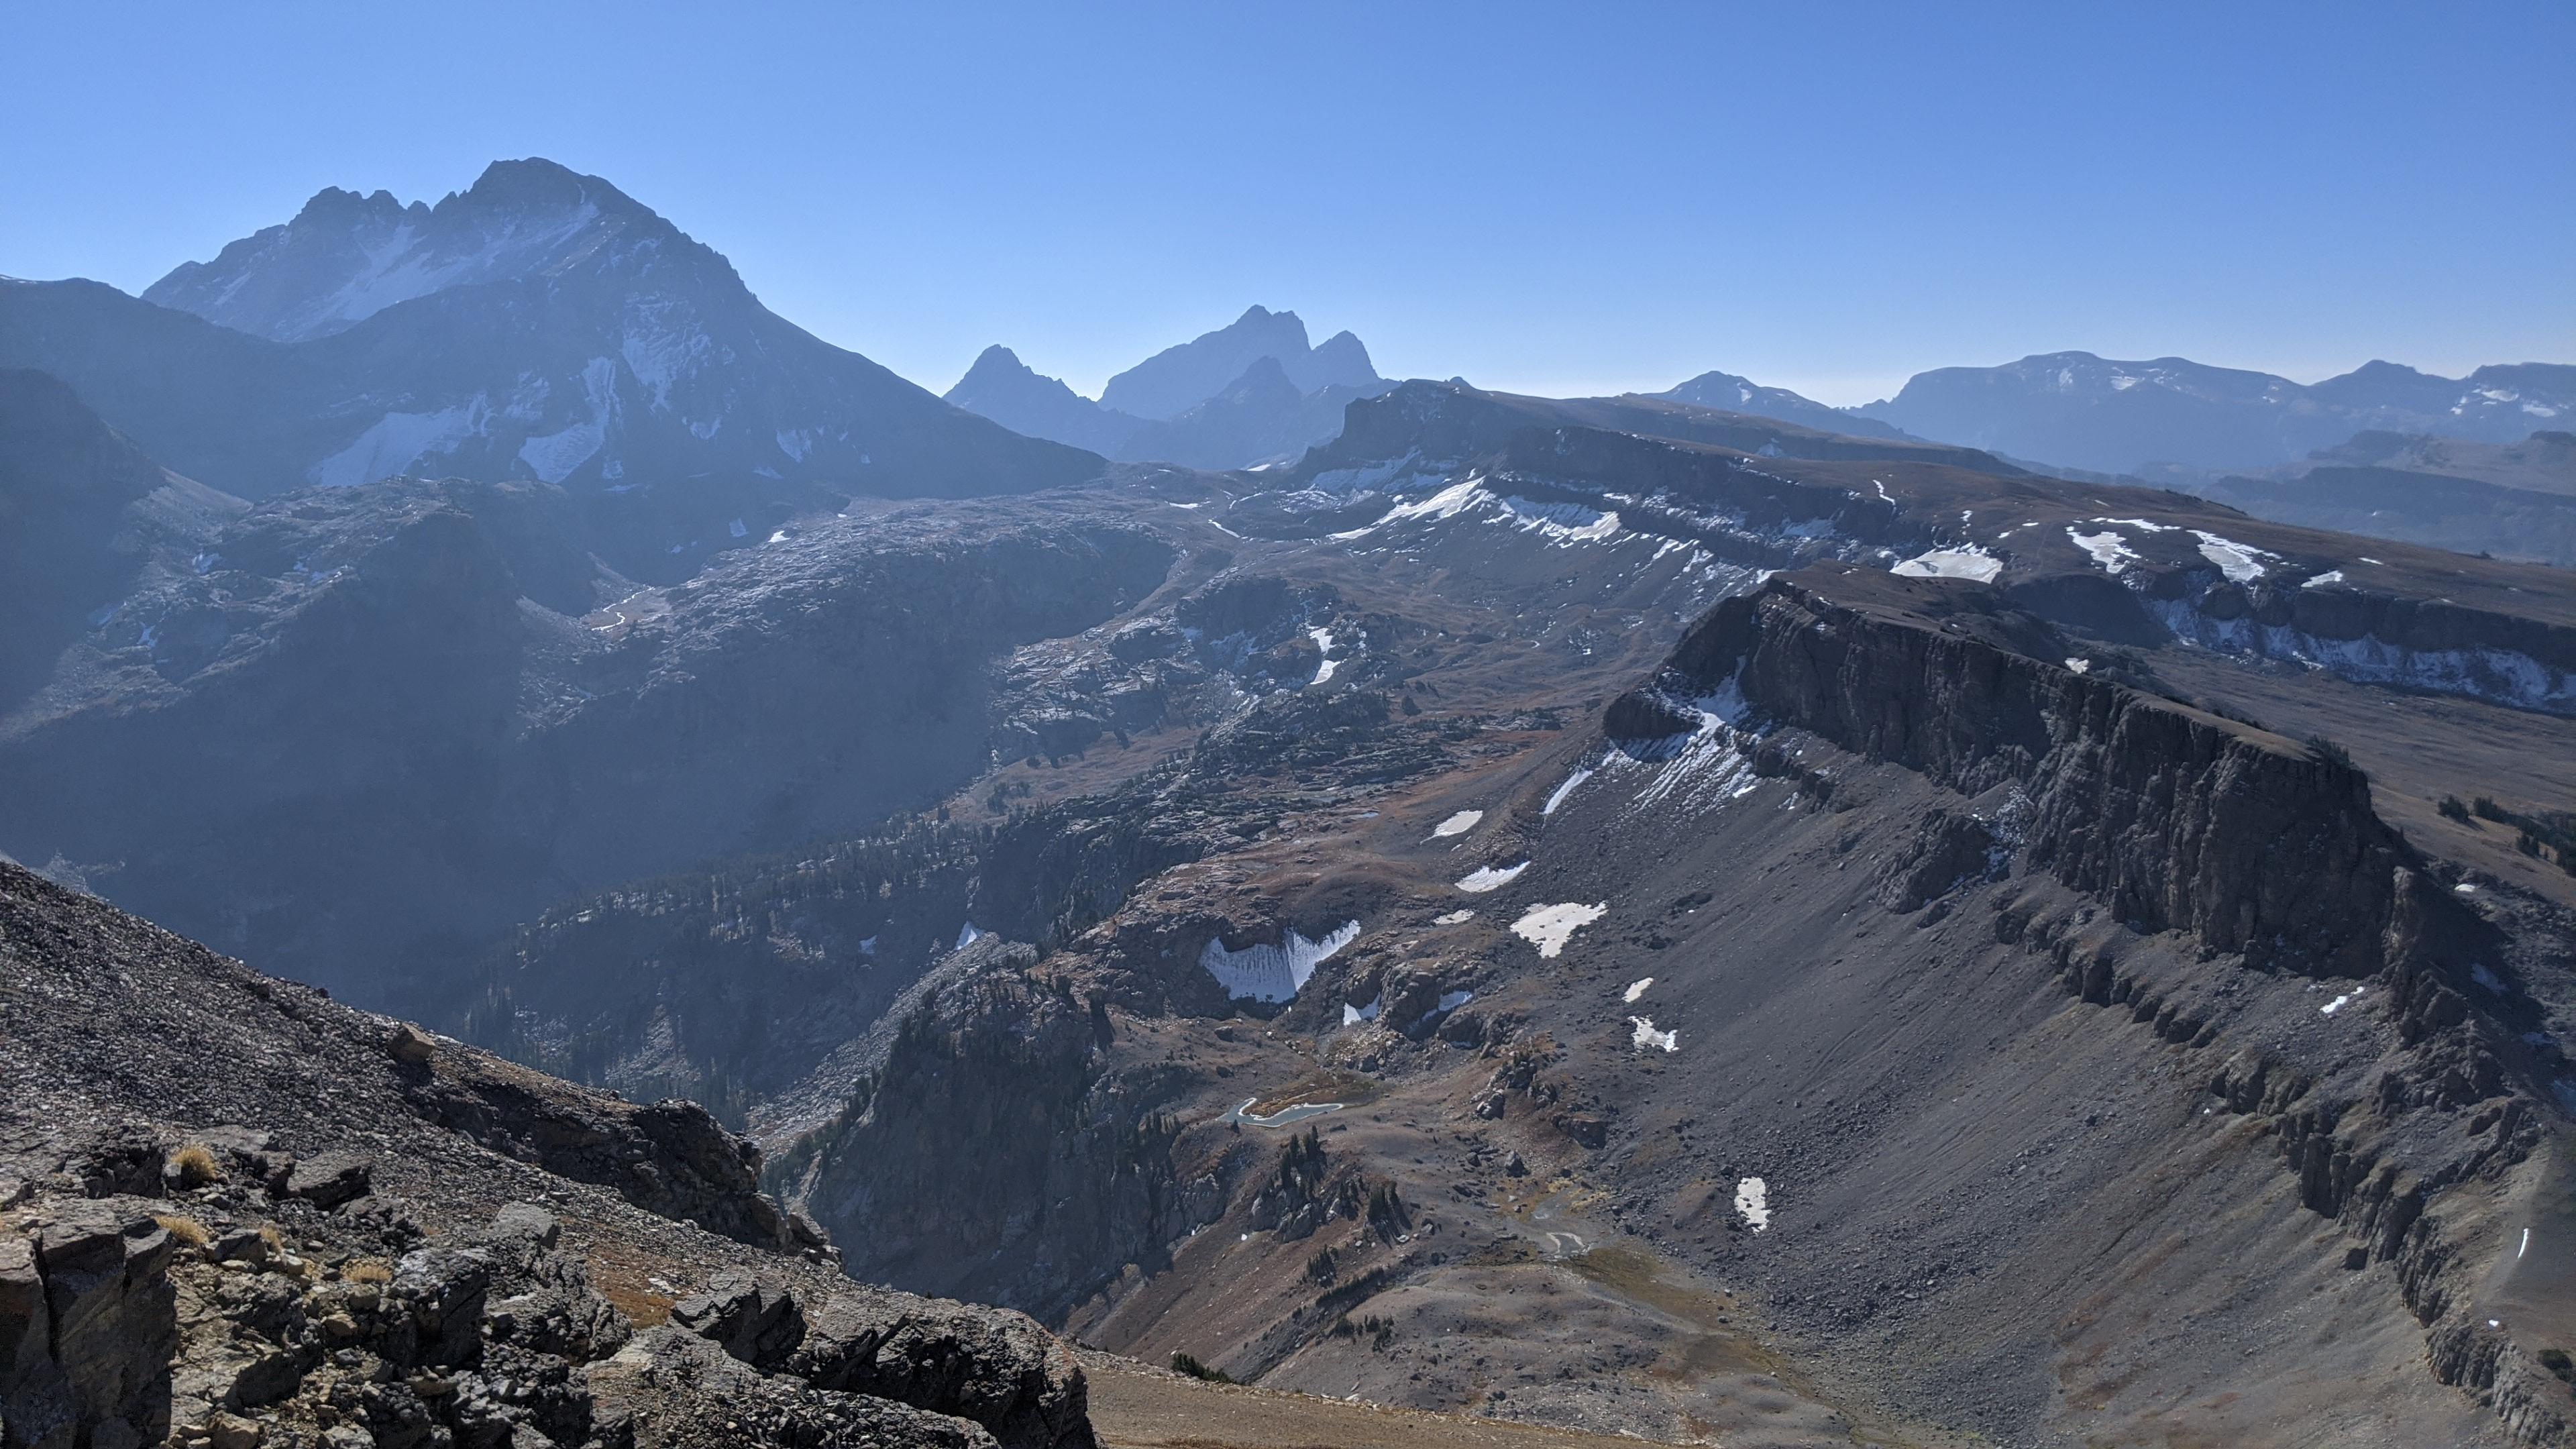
(115, 1326)
(526, 1220)
(35, 1399)
(329, 1180)
(995, 1367)
(675, 1390)
(443, 1288)
(757, 1322)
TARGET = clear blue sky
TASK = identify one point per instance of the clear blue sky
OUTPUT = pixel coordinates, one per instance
(1564, 200)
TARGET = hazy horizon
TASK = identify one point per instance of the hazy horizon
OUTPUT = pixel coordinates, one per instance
(1539, 203)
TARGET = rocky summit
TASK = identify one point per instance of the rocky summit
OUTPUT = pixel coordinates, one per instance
(586, 868)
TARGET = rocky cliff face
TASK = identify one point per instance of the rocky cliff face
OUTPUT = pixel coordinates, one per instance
(2264, 854)
(2175, 818)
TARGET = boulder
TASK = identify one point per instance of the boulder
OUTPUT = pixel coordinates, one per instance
(757, 1322)
(329, 1180)
(671, 1389)
(990, 1365)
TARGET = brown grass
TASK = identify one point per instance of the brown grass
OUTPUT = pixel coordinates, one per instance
(187, 1231)
(641, 1305)
(195, 1166)
(368, 1270)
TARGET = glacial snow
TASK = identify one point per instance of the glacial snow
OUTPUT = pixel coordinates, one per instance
(1273, 973)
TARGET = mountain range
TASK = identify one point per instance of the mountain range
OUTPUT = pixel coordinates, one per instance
(1686, 918)
(2076, 410)
(540, 324)
(1248, 393)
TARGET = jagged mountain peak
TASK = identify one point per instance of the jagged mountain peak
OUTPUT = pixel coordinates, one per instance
(539, 324)
(1178, 378)
(1019, 397)
(345, 257)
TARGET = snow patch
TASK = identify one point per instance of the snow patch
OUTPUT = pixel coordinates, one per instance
(1636, 989)
(1449, 502)
(1273, 973)
(1550, 927)
(2108, 549)
(2331, 1007)
(1644, 1036)
(396, 441)
(1753, 1201)
(2330, 576)
(1454, 918)
(1967, 561)
(1557, 796)
(2501, 676)
(1323, 645)
(1485, 878)
(2242, 563)
(968, 934)
(1458, 824)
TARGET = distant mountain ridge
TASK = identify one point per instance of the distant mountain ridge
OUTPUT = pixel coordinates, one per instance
(2073, 410)
(1250, 392)
(2503, 500)
(1726, 392)
(539, 325)
(2076, 409)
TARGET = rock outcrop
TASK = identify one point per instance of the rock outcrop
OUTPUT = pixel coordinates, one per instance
(2175, 817)
(336, 1274)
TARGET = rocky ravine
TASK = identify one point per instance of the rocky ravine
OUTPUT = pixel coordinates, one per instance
(234, 1212)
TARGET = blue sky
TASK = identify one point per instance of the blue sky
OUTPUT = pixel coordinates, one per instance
(1566, 199)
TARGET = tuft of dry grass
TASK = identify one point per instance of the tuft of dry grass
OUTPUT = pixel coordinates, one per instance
(368, 1270)
(195, 1166)
(187, 1231)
